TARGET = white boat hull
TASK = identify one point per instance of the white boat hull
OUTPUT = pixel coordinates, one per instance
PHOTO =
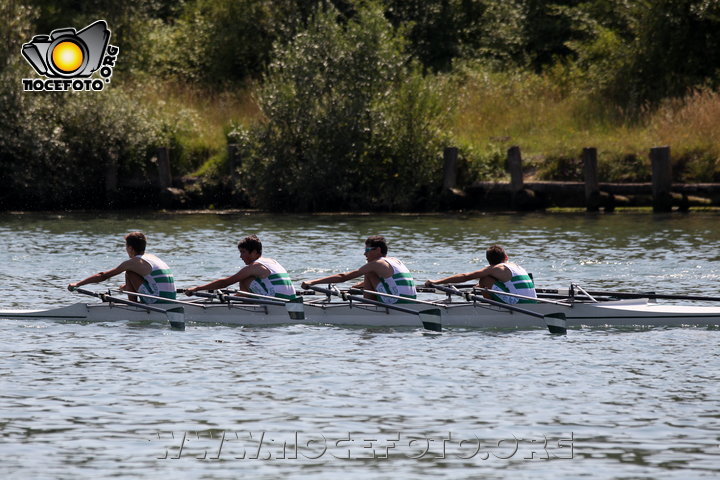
(462, 315)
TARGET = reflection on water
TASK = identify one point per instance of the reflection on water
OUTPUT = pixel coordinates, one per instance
(101, 400)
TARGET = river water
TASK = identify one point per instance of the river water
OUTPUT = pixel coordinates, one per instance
(126, 401)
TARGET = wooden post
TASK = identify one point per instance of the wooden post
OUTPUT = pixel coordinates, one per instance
(521, 197)
(164, 173)
(592, 186)
(234, 159)
(450, 155)
(515, 167)
(661, 179)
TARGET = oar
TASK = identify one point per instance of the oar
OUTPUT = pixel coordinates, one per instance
(600, 293)
(556, 322)
(431, 318)
(295, 307)
(525, 297)
(362, 291)
(423, 289)
(175, 315)
(229, 298)
(168, 300)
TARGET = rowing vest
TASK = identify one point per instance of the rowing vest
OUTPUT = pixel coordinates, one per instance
(520, 283)
(159, 282)
(277, 284)
(401, 283)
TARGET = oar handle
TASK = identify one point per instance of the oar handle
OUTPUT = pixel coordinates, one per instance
(381, 294)
(212, 296)
(254, 301)
(477, 298)
(431, 319)
(345, 296)
(232, 298)
(175, 315)
(324, 290)
(85, 292)
(525, 297)
(556, 323)
(255, 295)
(109, 298)
(295, 307)
(155, 297)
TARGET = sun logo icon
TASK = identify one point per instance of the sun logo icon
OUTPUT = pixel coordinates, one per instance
(67, 56)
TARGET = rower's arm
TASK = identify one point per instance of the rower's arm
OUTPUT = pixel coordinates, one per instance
(254, 270)
(459, 278)
(98, 277)
(337, 278)
(214, 285)
(463, 277)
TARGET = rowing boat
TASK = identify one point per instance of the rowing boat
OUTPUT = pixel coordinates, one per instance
(324, 311)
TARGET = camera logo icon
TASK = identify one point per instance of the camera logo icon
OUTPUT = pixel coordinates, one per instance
(68, 58)
(67, 53)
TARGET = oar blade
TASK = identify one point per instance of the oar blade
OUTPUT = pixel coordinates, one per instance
(176, 318)
(556, 323)
(296, 309)
(431, 319)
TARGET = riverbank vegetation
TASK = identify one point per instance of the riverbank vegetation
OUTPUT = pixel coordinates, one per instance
(347, 104)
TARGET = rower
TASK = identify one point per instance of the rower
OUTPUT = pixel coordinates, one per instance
(144, 273)
(499, 276)
(260, 275)
(381, 273)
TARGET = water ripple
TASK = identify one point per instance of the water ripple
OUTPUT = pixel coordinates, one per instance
(114, 399)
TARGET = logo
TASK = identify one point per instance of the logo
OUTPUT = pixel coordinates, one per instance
(68, 59)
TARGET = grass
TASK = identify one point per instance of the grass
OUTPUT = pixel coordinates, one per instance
(552, 123)
(549, 120)
(195, 120)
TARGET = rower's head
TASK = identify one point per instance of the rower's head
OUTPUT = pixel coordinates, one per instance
(495, 255)
(375, 244)
(250, 249)
(135, 243)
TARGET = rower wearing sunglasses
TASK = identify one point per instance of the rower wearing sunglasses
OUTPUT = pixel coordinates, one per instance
(382, 274)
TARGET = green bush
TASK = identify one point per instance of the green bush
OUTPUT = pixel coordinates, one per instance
(629, 167)
(57, 149)
(480, 164)
(350, 123)
(696, 165)
(638, 53)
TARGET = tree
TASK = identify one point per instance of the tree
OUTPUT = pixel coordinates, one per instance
(639, 53)
(350, 123)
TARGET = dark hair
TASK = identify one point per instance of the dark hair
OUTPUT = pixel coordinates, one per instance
(251, 243)
(495, 255)
(375, 241)
(137, 241)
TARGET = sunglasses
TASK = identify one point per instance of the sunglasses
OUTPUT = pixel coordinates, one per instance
(367, 249)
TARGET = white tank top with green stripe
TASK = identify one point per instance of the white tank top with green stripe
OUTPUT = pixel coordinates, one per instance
(520, 284)
(159, 282)
(277, 284)
(401, 282)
